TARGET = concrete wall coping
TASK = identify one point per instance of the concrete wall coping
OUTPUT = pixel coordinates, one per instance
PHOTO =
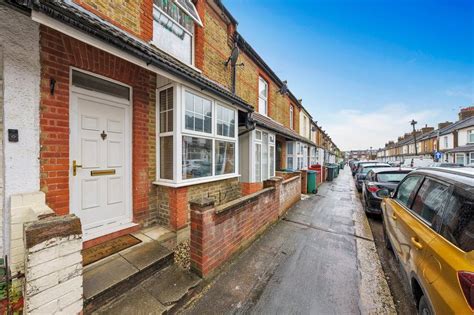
(289, 180)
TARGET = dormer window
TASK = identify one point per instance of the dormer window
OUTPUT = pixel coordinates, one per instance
(173, 28)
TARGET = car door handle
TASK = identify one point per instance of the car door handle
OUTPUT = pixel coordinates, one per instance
(394, 217)
(416, 243)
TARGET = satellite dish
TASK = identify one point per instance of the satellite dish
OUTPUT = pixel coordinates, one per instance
(234, 55)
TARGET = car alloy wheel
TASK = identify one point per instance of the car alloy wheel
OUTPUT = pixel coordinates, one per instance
(423, 307)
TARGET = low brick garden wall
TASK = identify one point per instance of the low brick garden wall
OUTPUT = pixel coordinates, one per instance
(220, 231)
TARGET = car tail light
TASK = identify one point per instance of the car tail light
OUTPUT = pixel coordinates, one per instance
(372, 188)
(466, 279)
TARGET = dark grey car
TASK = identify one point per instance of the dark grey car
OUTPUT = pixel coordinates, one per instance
(362, 171)
(380, 183)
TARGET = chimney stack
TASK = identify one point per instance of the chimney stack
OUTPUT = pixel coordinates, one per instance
(444, 124)
(466, 112)
(426, 129)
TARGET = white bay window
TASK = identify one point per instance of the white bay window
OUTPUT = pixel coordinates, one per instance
(197, 137)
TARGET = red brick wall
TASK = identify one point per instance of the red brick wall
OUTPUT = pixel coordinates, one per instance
(134, 17)
(58, 53)
(217, 233)
(250, 188)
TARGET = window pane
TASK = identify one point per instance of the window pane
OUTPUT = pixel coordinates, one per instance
(166, 157)
(258, 135)
(262, 88)
(189, 121)
(90, 82)
(258, 161)
(265, 156)
(166, 110)
(169, 121)
(405, 190)
(289, 163)
(198, 113)
(198, 122)
(289, 147)
(189, 102)
(458, 221)
(163, 122)
(272, 161)
(207, 124)
(197, 157)
(225, 157)
(430, 200)
(262, 106)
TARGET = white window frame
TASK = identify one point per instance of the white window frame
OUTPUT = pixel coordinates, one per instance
(191, 34)
(470, 133)
(471, 159)
(264, 99)
(271, 144)
(179, 131)
(291, 117)
(463, 158)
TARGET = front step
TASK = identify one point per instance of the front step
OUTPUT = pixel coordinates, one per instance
(114, 275)
(156, 295)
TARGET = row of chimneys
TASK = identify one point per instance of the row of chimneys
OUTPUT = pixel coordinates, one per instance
(463, 114)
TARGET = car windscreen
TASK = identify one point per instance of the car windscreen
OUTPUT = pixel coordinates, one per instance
(393, 177)
(367, 168)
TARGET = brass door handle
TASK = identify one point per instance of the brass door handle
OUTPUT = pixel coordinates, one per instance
(394, 217)
(74, 167)
(417, 244)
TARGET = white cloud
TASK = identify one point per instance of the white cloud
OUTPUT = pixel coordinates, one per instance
(355, 129)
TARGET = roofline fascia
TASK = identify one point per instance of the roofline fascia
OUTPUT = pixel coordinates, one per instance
(73, 21)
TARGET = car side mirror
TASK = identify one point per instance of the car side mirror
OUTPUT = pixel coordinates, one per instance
(384, 193)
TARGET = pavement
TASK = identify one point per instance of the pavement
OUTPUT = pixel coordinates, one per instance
(319, 259)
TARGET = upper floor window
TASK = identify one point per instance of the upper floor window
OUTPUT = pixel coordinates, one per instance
(173, 28)
(445, 141)
(470, 136)
(291, 117)
(262, 96)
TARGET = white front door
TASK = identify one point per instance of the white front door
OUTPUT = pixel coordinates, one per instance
(100, 149)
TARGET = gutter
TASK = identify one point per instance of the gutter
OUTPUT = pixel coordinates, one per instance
(131, 47)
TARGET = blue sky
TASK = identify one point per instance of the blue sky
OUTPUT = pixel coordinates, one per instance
(365, 68)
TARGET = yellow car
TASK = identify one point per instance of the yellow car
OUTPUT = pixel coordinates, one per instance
(429, 224)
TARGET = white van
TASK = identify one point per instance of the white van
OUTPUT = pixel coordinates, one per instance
(417, 162)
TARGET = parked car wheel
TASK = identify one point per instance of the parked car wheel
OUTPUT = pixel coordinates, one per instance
(423, 306)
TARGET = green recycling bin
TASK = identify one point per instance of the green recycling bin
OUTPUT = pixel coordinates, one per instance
(311, 182)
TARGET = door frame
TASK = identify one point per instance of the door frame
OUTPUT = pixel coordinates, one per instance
(128, 134)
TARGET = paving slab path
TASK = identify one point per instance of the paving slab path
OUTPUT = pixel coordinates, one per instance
(319, 259)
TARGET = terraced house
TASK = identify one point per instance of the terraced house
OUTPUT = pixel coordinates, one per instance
(120, 114)
(453, 140)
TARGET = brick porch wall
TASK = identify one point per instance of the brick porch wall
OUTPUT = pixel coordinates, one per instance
(173, 203)
(58, 53)
(219, 232)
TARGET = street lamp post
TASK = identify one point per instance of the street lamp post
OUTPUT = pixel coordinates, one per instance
(413, 123)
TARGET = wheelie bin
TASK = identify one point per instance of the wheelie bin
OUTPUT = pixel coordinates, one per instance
(311, 182)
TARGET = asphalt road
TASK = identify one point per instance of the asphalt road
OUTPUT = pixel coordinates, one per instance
(308, 263)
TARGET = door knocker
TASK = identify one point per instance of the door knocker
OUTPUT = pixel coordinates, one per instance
(103, 135)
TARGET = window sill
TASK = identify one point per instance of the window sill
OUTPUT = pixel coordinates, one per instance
(196, 181)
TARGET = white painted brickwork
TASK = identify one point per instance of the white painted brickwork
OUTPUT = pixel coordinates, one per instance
(24, 208)
(54, 276)
(19, 56)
